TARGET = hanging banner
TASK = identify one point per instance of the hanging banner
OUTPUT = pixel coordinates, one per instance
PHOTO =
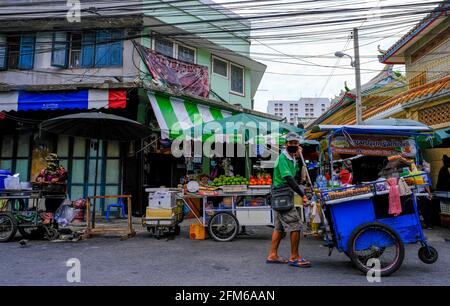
(373, 145)
(185, 77)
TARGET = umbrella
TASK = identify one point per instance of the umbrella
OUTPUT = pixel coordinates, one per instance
(99, 126)
(96, 126)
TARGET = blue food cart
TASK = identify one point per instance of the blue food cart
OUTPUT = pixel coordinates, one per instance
(357, 217)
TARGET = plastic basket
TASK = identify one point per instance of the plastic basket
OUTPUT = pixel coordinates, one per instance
(234, 188)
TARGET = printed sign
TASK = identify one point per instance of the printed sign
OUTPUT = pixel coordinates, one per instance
(182, 76)
(373, 145)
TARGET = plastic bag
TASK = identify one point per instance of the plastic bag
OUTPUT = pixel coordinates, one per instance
(12, 183)
(65, 214)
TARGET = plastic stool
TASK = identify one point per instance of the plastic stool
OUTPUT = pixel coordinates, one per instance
(119, 205)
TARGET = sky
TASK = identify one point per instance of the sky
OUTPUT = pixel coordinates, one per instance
(313, 81)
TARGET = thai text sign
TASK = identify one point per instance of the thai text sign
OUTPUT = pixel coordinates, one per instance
(373, 145)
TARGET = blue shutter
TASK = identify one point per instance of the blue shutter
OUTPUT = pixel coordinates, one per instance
(26, 57)
(60, 50)
(87, 50)
(3, 49)
(116, 48)
(103, 49)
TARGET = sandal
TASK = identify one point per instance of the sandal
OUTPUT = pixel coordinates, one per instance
(277, 261)
(300, 263)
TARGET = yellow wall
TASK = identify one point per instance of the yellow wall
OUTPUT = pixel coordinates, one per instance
(434, 157)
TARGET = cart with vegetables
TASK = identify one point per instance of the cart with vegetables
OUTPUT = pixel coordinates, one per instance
(359, 219)
(230, 203)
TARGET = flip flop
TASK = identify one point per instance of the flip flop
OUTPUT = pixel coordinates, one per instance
(277, 261)
(300, 263)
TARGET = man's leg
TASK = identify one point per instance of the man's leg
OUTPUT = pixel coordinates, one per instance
(276, 239)
(295, 241)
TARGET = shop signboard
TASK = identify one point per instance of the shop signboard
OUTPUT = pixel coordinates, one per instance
(372, 145)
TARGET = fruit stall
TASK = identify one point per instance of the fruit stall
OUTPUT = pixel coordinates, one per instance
(228, 204)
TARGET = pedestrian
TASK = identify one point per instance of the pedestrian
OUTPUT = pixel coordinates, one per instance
(443, 181)
(285, 171)
(217, 169)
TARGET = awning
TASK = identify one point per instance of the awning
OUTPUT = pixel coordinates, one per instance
(174, 115)
(59, 100)
(443, 133)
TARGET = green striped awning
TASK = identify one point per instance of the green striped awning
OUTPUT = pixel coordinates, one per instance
(174, 115)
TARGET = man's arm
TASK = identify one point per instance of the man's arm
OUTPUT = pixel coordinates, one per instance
(299, 189)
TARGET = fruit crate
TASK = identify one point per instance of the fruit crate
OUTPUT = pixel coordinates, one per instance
(234, 188)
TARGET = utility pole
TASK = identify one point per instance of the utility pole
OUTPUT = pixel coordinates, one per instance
(357, 77)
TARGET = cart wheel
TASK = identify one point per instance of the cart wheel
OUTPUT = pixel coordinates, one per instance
(428, 255)
(223, 227)
(51, 233)
(8, 227)
(376, 241)
(31, 232)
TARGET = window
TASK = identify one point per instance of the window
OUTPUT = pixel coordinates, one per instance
(17, 52)
(174, 50)
(165, 47)
(13, 52)
(186, 54)
(91, 49)
(60, 50)
(108, 49)
(220, 67)
(75, 50)
(237, 79)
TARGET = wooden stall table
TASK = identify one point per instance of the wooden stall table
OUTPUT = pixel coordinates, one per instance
(124, 232)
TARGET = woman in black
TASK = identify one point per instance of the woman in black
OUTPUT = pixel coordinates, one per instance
(443, 182)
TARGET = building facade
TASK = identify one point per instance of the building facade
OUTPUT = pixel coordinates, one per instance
(51, 66)
(300, 111)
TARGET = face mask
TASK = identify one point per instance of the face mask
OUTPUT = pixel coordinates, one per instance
(213, 164)
(292, 149)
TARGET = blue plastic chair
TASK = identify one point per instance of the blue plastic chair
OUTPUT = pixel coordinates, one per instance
(119, 205)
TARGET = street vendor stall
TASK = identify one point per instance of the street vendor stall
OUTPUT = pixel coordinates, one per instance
(239, 205)
(30, 207)
(372, 220)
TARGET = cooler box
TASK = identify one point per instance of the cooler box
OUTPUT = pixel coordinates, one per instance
(3, 174)
(161, 199)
